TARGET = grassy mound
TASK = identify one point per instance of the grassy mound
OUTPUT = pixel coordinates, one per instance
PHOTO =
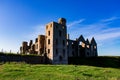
(22, 71)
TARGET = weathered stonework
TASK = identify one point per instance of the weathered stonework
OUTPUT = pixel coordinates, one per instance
(37, 48)
(82, 48)
(56, 45)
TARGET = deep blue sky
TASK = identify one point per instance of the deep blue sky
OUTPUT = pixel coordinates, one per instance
(22, 20)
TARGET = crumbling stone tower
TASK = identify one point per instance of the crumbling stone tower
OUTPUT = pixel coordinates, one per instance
(24, 47)
(40, 45)
(56, 42)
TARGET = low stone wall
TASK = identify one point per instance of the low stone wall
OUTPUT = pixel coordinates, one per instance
(31, 59)
(100, 61)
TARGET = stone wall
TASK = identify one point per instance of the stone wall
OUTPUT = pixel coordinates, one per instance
(31, 59)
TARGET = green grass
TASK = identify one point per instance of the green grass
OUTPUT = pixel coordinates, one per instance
(22, 71)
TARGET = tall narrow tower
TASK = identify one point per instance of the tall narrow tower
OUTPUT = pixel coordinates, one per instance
(56, 42)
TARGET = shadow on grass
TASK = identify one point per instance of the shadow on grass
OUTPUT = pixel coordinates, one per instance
(101, 61)
(88, 75)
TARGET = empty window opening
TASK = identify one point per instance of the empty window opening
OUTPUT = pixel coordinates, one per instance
(48, 50)
(83, 45)
(63, 42)
(80, 43)
(48, 33)
(60, 33)
(48, 41)
(94, 47)
(72, 46)
(60, 58)
(56, 41)
(87, 46)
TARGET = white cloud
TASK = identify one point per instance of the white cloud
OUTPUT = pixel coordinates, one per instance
(111, 30)
(102, 34)
(75, 22)
(106, 36)
(110, 19)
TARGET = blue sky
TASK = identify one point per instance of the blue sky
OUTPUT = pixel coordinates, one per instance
(22, 20)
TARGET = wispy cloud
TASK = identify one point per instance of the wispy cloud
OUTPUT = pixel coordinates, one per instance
(106, 36)
(100, 30)
(102, 33)
(110, 19)
(75, 22)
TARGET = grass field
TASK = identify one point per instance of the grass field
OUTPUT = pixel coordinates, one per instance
(22, 71)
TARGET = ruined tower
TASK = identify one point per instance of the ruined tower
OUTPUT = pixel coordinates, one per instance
(40, 45)
(56, 39)
(24, 47)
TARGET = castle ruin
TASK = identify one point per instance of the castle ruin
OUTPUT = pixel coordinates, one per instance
(57, 46)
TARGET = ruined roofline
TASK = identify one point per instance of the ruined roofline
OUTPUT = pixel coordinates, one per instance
(33, 41)
(41, 35)
(87, 41)
(93, 41)
(53, 22)
(61, 21)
